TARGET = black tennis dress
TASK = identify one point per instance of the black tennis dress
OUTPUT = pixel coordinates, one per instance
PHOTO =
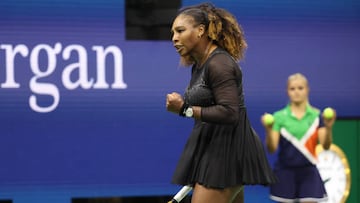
(223, 150)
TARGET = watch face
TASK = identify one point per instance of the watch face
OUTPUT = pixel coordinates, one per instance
(335, 174)
(189, 112)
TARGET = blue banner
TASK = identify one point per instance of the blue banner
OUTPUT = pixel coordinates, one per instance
(83, 106)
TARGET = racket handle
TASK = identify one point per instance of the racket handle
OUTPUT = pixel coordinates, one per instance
(181, 194)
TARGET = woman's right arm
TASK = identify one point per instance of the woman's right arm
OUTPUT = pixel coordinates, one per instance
(272, 137)
(272, 140)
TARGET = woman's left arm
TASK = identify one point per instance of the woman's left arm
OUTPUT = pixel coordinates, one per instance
(325, 132)
(223, 78)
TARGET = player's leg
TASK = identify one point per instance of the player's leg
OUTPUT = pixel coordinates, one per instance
(202, 194)
(239, 197)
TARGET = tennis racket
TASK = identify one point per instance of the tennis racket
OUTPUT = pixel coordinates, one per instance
(181, 194)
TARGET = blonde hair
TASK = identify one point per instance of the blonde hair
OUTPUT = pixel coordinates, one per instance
(297, 76)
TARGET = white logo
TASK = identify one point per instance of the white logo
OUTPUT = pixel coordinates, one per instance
(81, 66)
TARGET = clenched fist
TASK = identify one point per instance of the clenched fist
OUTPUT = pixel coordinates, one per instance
(174, 102)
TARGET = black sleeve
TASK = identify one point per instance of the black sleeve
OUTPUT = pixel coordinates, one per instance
(223, 81)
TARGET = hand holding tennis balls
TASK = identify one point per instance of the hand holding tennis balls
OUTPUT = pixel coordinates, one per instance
(268, 119)
(328, 113)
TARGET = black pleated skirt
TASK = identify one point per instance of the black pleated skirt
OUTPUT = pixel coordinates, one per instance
(221, 156)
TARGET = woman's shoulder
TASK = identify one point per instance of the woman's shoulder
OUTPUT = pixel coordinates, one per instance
(221, 60)
(314, 109)
(220, 53)
(281, 113)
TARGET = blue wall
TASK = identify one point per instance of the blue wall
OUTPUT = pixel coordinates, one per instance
(64, 137)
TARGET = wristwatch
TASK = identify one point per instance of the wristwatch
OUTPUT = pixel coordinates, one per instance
(189, 112)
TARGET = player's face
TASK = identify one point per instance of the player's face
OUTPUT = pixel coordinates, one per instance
(298, 91)
(184, 34)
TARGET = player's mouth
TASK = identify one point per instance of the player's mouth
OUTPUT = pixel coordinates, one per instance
(178, 48)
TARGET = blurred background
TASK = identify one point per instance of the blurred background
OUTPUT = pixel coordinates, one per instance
(83, 85)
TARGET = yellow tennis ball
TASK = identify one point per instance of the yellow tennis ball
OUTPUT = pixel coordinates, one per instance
(328, 113)
(268, 119)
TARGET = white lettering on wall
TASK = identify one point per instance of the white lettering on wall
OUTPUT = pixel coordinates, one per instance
(10, 54)
(101, 54)
(81, 65)
(42, 70)
(43, 88)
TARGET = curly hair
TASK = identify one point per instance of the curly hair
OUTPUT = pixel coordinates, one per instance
(222, 27)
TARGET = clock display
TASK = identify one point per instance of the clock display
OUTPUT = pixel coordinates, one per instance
(335, 173)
